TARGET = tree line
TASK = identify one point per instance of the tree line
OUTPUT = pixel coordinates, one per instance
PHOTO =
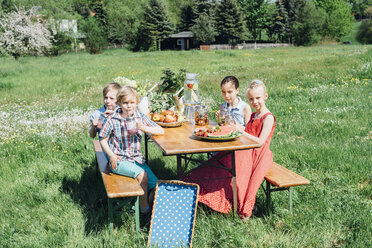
(143, 24)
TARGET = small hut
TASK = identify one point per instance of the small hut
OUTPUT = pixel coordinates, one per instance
(180, 41)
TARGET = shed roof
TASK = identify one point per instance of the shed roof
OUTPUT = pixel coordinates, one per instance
(184, 34)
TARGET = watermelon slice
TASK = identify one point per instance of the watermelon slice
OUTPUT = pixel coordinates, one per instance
(225, 131)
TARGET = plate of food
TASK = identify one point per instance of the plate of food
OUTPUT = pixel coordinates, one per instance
(217, 133)
(168, 118)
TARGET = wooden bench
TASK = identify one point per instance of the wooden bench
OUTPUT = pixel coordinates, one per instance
(282, 179)
(118, 188)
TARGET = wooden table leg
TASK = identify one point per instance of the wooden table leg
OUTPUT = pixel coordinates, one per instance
(235, 194)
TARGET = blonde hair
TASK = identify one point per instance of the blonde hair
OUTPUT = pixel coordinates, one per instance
(109, 87)
(126, 92)
(255, 83)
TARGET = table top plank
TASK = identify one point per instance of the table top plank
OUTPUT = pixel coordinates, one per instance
(179, 140)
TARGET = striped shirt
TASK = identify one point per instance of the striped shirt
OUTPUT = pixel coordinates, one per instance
(121, 143)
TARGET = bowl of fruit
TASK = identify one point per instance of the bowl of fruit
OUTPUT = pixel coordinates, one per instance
(168, 118)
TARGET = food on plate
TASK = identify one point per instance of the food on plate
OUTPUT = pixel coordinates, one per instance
(216, 132)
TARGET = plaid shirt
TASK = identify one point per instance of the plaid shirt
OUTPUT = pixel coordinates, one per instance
(120, 142)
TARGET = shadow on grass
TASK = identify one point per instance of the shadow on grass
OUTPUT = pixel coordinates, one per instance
(161, 171)
(90, 194)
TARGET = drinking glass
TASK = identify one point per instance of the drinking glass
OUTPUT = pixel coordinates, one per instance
(229, 119)
(101, 120)
(131, 125)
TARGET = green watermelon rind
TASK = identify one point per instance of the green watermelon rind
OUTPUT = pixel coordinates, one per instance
(232, 134)
(224, 135)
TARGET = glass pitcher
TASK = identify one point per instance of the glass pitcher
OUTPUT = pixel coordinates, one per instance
(191, 89)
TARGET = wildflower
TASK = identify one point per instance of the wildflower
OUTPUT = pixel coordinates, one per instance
(290, 107)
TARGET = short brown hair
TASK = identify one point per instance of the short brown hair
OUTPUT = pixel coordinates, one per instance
(230, 79)
(125, 92)
(109, 87)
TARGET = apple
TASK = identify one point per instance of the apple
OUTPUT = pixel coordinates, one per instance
(162, 117)
(156, 117)
(169, 112)
(169, 118)
(164, 112)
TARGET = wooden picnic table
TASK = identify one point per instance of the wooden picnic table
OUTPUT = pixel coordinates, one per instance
(180, 142)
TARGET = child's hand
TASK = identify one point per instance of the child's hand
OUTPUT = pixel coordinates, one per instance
(108, 112)
(141, 126)
(114, 161)
(239, 127)
(95, 122)
(218, 114)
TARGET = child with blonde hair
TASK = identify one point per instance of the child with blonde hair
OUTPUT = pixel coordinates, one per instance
(121, 141)
(251, 165)
(99, 116)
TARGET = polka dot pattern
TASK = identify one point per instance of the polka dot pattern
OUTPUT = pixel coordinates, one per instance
(173, 216)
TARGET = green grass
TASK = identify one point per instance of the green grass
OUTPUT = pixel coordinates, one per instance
(321, 97)
(352, 36)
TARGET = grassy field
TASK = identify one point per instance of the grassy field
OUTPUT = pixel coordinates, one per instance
(352, 36)
(321, 97)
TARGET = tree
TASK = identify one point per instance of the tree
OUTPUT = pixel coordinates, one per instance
(279, 26)
(99, 12)
(229, 20)
(156, 23)
(123, 21)
(95, 36)
(204, 30)
(293, 8)
(339, 20)
(308, 25)
(24, 32)
(358, 8)
(204, 6)
(364, 34)
(187, 17)
(255, 15)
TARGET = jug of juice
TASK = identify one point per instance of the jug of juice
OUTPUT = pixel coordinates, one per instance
(191, 89)
(201, 115)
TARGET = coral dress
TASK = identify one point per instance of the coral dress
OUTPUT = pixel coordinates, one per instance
(251, 167)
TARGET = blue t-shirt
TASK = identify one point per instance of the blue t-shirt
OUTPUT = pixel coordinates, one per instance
(237, 111)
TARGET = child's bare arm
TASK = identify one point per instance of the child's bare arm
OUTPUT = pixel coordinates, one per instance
(247, 114)
(151, 130)
(218, 112)
(268, 123)
(92, 130)
(112, 156)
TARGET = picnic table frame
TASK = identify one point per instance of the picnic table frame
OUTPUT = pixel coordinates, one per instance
(180, 142)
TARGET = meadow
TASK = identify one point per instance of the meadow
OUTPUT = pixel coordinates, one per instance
(321, 97)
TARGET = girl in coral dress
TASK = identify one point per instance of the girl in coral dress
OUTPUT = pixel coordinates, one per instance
(251, 165)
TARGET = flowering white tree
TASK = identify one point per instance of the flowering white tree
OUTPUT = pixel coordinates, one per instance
(24, 33)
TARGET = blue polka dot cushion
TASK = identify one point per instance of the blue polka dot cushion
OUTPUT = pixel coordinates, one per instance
(173, 216)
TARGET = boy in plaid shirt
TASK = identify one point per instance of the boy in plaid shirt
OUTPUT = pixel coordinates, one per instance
(124, 149)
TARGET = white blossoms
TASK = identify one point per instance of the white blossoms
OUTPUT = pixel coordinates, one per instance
(123, 81)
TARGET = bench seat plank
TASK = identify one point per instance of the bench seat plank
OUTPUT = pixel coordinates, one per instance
(116, 185)
(281, 177)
